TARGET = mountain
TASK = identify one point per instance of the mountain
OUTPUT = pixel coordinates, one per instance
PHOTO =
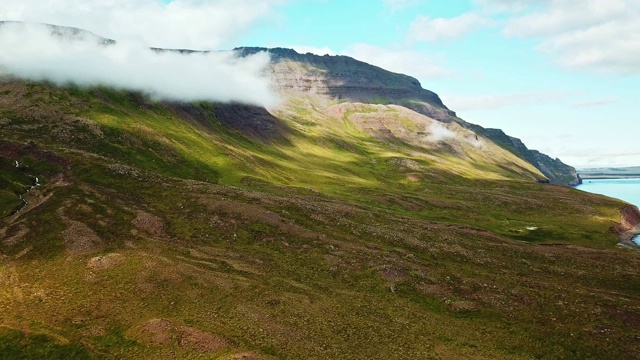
(327, 227)
(554, 169)
(345, 79)
(66, 32)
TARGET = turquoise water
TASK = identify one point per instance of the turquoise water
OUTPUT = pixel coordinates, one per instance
(623, 189)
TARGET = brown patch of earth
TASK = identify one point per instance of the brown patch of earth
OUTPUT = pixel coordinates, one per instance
(17, 236)
(105, 261)
(164, 332)
(463, 306)
(433, 290)
(81, 239)
(149, 223)
(247, 356)
(94, 330)
(257, 213)
(392, 274)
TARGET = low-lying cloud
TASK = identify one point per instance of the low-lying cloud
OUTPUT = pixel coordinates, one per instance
(484, 102)
(439, 133)
(32, 51)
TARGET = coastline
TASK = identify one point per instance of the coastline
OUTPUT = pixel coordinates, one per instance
(629, 226)
(626, 239)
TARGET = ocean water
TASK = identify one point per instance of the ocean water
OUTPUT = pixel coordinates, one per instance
(623, 189)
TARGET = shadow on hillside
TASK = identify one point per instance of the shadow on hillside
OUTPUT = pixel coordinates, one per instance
(252, 121)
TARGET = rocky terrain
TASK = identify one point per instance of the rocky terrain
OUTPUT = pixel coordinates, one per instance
(629, 225)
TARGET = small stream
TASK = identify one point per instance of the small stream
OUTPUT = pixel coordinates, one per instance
(36, 183)
(25, 203)
(636, 239)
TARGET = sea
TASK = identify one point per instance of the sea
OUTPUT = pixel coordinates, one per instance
(623, 189)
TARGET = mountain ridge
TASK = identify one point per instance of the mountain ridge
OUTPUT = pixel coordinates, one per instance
(343, 77)
(347, 79)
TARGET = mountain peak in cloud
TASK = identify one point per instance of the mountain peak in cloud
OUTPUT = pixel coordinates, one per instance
(69, 55)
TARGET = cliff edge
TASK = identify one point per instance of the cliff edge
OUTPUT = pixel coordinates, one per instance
(629, 225)
(554, 169)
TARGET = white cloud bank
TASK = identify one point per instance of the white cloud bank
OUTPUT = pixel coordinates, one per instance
(30, 51)
(427, 29)
(414, 63)
(485, 102)
(193, 24)
(439, 132)
(509, 5)
(602, 35)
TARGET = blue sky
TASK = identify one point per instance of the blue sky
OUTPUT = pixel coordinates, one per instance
(485, 69)
(562, 75)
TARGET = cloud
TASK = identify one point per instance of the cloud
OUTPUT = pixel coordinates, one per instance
(398, 5)
(439, 132)
(600, 157)
(561, 17)
(195, 24)
(32, 52)
(413, 63)
(602, 35)
(594, 103)
(509, 5)
(426, 29)
(484, 102)
(302, 49)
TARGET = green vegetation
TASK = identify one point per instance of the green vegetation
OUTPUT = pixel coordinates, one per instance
(17, 345)
(162, 233)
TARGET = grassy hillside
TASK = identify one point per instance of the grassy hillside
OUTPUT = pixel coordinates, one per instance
(332, 230)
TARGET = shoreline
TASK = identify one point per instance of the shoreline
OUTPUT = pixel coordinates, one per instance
(626, 239)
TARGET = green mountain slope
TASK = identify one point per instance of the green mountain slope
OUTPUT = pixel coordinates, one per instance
(554, 169)
(177, 230)
(327, 227)
(343, 78)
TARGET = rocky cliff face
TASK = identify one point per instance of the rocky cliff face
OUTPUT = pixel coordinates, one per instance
(630, 217)
(344, 78)
(557, 171)
(629, 221)
(554, 169)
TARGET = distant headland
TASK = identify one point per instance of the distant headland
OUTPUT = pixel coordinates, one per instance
(610, 172)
